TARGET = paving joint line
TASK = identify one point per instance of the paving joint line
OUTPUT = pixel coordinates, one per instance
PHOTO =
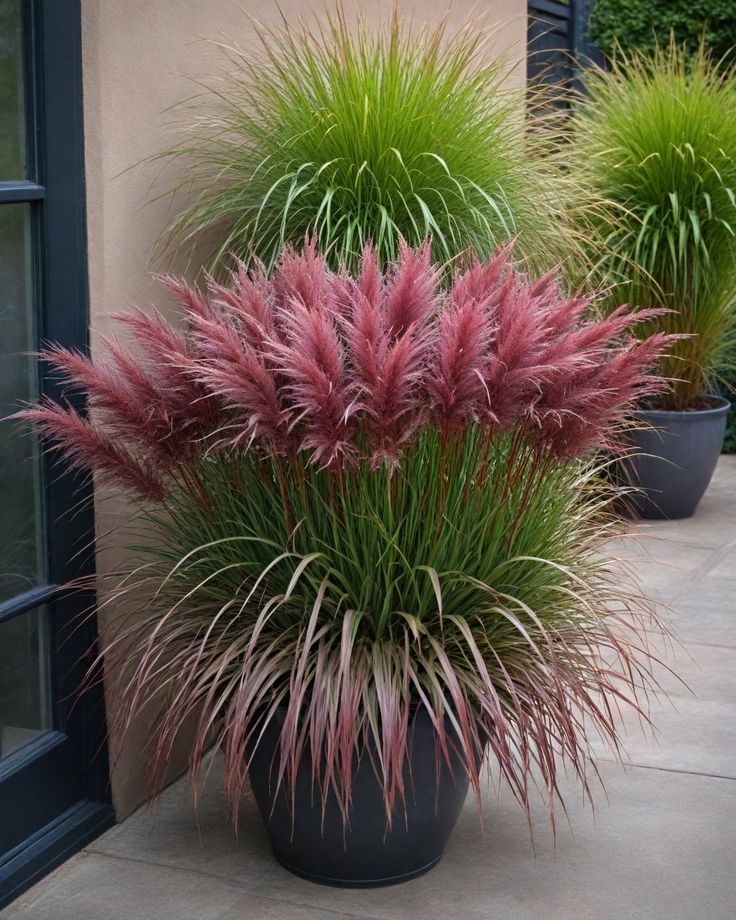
(123, 857)
(226, 879)
(644, 766)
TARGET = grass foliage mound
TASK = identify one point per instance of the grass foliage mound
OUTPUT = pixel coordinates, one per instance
(654, 148)
(349, 133)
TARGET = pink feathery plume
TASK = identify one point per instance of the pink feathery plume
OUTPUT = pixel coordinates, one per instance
(170, 360)
(187, 297)
(117, 396)
(359, 312)
(303, 276)
(561, 316)
(515, 366)
(397, 404)
(123, 396)
(580, 380)
(249, 301)
(481, 281)
(86, 447)
(159, 435)
(362, 325)
(596, 379)
(235, 372)
(370, 279)
(163, 346)
(466, 328)
(395, 408)
(388, 366)
(411, 296)
(573, 349)
(309, 358)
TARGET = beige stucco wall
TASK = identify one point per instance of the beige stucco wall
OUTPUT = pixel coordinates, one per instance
(137, 56)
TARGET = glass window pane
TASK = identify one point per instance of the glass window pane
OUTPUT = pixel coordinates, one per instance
(21, 534)
(24, 688)
(12, 118)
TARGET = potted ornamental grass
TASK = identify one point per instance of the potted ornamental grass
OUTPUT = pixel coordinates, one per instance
(654, 154)
(373, 566)
(352, 130)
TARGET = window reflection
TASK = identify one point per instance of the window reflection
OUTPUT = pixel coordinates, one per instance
(24, 693)
(21, 555)
(12, 121)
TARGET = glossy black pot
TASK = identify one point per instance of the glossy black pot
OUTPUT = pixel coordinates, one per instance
(674, 459)
(365, 854)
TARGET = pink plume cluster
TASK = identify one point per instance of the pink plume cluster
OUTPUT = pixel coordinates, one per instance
(87, 446)
(351, 369)
(149, 412)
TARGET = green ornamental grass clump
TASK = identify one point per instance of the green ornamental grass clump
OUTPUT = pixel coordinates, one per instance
(350, 132)
(654, 154)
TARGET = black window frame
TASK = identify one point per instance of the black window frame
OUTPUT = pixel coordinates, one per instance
(74, 751)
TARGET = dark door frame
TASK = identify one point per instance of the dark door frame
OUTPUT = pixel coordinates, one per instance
(54, 794)
(558, 36)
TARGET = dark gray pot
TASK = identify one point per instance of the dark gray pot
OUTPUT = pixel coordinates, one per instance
(675, 459)
(365, 854)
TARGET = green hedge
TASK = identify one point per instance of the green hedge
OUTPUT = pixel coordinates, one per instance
(729, 445)
(635, 23)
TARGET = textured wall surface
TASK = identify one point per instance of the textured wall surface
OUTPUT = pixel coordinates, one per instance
(140, 58)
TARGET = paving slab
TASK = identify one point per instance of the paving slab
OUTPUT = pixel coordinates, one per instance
(95, 887)
(660, 848)
(713, 524)
(661, 567)
(694, 723)
(726, 566)
(174, 835)
(706, 612)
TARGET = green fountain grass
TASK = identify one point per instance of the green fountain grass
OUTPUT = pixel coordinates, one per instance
(472, 562)
(654, 155)
(366, 133)
(380, 537)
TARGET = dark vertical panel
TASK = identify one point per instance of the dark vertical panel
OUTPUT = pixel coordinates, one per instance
(70, 517)
(54, 794)
(559, 45)
(550, 61)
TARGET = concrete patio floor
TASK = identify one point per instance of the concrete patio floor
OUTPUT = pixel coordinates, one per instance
(661, 847)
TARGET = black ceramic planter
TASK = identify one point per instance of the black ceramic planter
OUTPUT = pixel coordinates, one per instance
(365, 854)
(675, 458)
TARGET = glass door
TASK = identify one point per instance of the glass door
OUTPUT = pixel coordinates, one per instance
(23, 655)
(53, 772)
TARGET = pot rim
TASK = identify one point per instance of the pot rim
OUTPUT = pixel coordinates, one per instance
(721, 407)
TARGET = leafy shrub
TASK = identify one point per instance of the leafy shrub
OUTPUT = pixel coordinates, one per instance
(372, 133)
(729, 391)
(633, 25)
(369, 495)
(654, 154)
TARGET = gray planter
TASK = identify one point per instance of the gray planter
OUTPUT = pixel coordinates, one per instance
(675, 458)
(314, 842)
